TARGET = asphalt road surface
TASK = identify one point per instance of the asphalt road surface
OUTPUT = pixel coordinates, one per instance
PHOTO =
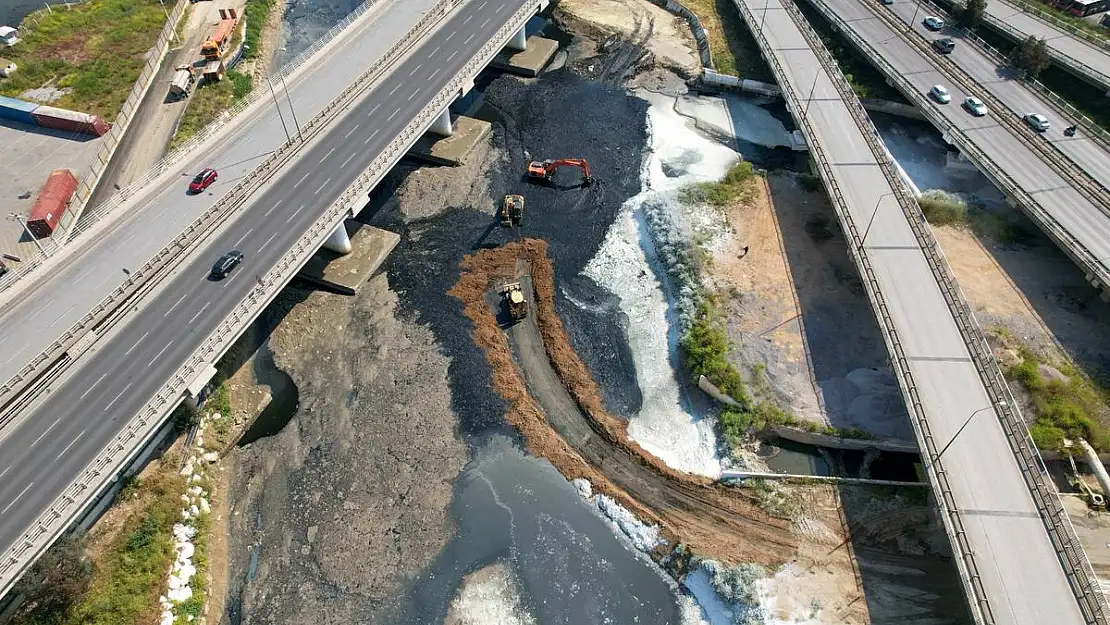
(1020, 571)
(47, 451)
(1085, 221)
(1060, 42)
(1092, 156)
(95, 264)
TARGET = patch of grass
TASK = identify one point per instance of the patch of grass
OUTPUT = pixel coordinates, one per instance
(770, 498)
(1072, 408)
(220, 401)
(943, 209)
(129, 578)
(736, 185)
(865, 80)
(731, 43)
(95, 49)
(256, 13)
(207, 102)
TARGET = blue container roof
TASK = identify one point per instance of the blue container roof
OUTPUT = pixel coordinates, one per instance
(19, 105)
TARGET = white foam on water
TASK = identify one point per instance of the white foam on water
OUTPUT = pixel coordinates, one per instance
(627, 264)
(489, 597)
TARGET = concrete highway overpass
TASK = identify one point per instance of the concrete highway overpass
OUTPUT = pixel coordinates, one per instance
(1084, 54)
(1015, 550)
(1068, 202)
(70, 443)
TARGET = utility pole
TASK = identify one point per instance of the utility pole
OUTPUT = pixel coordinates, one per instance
(288, 139)
(23, 222)
(290, 100)
(871, 221)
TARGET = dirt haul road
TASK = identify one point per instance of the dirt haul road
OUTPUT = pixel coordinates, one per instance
(709, 518)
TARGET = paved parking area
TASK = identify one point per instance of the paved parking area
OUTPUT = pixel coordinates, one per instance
(27, 156)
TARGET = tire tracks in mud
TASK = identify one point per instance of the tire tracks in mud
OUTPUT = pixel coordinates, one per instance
(568, 425)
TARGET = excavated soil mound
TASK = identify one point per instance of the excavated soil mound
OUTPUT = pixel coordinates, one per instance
(712, 520)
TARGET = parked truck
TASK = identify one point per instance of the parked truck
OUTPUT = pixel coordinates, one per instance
(182, 82)
(51, 203)
(214, 48)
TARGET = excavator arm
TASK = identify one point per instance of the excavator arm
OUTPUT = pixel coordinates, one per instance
(546, 169)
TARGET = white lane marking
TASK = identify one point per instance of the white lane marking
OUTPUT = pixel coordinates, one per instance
(101, 378)
(158, 355)
(351, 131)
(374, 110)
(322, 186)
(394, 90)
(469, 39)
(48, 303)
(414, 94)
(480, 7)
(59, 317)
(500, 8)
(293, 215)
(434, 52)
(344, 165)
(46, 431)
(71, 444)
(240, 239)
(467, 20)
(451, 35)
(372, 135)
(301, 180)
(453, 55)
(416, 69)
(114, 400)
(485, 23)
(202, 309)
(5, 472)
(12, 357)
(272, 236)
(175, 305)
(277, 204)
(130, 350)
(434, 74)
(21, 493)
(326, 156)
(393, 114)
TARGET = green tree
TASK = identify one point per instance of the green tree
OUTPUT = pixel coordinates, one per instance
(971, 14)
(55, 583)
(1031, 56)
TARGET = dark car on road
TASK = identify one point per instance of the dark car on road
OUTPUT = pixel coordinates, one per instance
(944, 46)
(226, 264)
(203, 180)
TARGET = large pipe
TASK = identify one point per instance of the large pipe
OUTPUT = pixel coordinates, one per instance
(1096, 466)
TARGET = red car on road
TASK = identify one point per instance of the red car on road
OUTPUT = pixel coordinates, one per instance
(203, 180)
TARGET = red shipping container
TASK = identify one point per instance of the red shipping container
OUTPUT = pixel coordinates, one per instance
(53, 199)
(72, 121)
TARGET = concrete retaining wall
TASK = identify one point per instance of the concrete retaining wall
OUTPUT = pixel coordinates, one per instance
(695, 29)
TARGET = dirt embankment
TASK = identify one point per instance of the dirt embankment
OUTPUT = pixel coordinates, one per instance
(713, 520)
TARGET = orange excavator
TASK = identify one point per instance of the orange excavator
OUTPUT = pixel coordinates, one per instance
(545, 170)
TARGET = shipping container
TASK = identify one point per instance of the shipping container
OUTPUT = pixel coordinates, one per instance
(18, 110)
(52, 202)
(72, 121)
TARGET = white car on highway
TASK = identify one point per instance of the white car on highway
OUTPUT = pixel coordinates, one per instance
(933, 22)
(1036, 121)
(975, 106)
(940, 94)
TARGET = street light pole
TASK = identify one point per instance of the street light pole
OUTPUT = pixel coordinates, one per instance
(871, 221)
(816, 77)
(766, 3)
(290, 100)
(288, 139)
(913, 20)
(23, 222)
(1000, 404)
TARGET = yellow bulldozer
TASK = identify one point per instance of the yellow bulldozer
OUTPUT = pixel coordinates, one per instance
(512, 211)
(514, 300)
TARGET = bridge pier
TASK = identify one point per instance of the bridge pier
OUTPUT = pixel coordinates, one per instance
(442, 125)
(519, 41)
(338, 241)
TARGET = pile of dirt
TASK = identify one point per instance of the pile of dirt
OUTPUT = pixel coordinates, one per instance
(712, 520)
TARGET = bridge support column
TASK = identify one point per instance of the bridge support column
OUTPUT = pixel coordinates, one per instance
(442, 124)
(519, 41)
(339, 242)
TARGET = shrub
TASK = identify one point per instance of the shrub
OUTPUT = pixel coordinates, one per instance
(736, 185)
(942, 209)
